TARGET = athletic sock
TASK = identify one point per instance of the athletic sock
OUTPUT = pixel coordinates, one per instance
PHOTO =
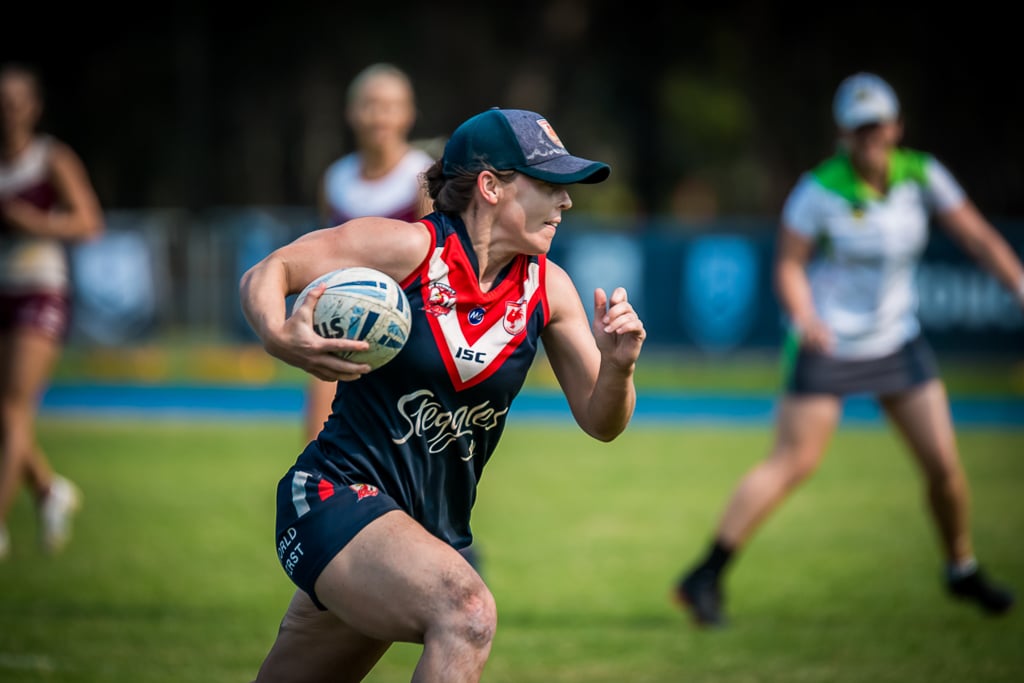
(961, 568)
(717, 559)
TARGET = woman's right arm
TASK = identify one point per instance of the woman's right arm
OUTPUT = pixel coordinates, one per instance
(394, 247)
(793, 251)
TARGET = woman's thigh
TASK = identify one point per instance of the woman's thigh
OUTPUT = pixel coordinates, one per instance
(315, 645)
(922, 416)
(395, 580)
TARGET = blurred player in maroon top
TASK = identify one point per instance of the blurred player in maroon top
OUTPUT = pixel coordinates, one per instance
(46, 202)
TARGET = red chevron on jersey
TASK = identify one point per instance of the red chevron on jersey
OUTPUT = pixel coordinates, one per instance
(473, 352)
(325, 489)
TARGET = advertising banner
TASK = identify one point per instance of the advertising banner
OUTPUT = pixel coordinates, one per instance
(712, 291)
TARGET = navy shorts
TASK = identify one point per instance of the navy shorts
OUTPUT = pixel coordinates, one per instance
(815, 373)
(317, 517)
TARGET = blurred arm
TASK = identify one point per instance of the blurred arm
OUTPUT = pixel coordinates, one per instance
(984, 244)
(793, 251)
(79, 216)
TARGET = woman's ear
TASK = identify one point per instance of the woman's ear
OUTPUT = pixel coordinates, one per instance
(489, 187)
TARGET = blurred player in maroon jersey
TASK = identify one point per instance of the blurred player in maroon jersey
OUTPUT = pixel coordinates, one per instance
(46, 202)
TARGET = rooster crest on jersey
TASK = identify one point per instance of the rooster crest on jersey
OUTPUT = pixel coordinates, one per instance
(363, 304)
(514, 319)
(441, 299)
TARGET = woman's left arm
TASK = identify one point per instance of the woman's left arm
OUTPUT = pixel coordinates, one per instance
(986, 245)
(594, 363)
(79, 216)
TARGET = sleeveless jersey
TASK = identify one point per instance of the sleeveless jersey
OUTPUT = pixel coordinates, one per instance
(868, 246)
(395, 195)
(422, 427)
(30, 263)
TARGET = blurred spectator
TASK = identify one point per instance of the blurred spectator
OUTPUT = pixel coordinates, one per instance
(46, 202)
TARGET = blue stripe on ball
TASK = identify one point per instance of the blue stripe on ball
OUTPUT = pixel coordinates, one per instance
(372, 292)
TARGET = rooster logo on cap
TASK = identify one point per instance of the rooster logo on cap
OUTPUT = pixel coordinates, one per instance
(550, 132)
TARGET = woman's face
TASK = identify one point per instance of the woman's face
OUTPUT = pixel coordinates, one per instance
(534, 210)
(382, 113)
(869, 145)
(19, 103)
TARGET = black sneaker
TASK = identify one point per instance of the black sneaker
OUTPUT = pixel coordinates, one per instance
(700, 593)
(976, 586)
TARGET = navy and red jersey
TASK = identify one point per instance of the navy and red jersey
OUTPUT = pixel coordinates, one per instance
(422, 427)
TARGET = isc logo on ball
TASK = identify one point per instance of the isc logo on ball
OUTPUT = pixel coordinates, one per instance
(363, 304)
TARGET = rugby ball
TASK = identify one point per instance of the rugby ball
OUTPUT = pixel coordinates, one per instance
(364, 304)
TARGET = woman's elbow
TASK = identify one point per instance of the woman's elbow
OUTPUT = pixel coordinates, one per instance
(605, 431)
(84, 225)
(95, 227)
(606, 437)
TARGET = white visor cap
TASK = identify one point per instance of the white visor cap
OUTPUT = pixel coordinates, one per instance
(864, 98)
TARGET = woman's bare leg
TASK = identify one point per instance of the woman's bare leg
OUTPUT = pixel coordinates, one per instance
(393, 582)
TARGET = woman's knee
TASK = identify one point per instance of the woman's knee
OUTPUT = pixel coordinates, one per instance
(472, 615)
(481, 618)
(794, 465)
(946, 477)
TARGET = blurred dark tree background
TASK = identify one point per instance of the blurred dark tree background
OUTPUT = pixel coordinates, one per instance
(710, 109)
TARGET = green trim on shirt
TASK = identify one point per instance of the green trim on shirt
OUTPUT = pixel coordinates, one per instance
(837, 175)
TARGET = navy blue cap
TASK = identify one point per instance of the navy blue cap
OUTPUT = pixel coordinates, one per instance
(519, 140)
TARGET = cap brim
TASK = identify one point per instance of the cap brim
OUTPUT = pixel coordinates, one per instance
(566, 169)
(861, 117)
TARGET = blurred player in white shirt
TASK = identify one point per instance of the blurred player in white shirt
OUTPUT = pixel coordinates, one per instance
(853, 230)
(380, 178)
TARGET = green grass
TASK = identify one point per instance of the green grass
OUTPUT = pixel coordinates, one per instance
(172, 575)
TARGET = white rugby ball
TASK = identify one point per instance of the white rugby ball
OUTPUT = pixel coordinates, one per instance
(364, 304)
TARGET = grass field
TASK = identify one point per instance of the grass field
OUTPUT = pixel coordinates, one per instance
(172, 575)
